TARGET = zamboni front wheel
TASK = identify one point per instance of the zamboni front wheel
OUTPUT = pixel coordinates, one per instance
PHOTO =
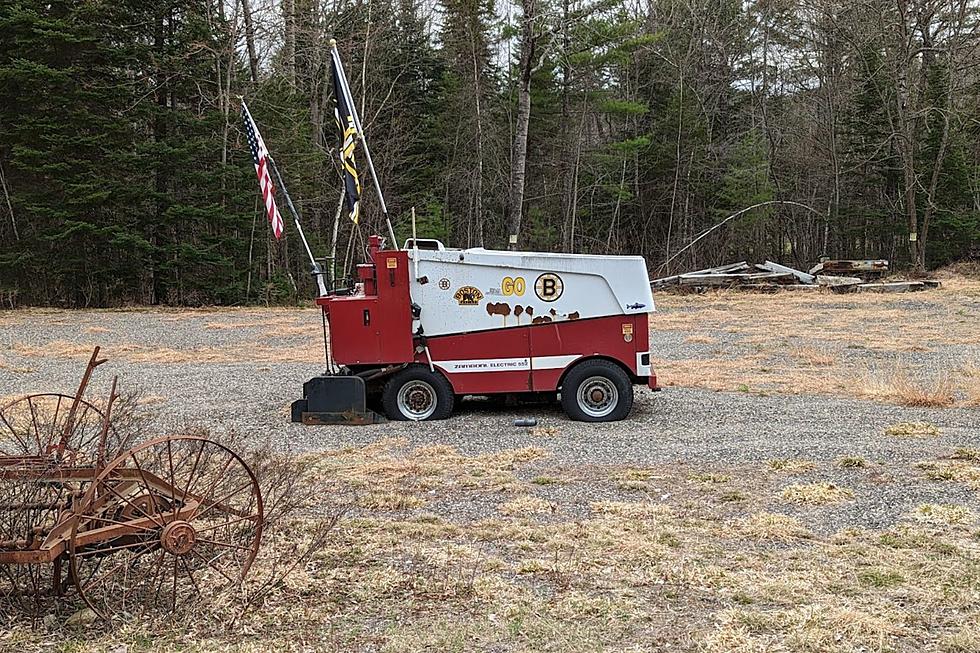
(597, 391)
(417, 394)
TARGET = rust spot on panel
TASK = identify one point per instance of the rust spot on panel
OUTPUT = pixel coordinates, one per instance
(499, 308)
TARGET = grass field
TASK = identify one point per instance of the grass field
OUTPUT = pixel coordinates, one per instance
(466, 535)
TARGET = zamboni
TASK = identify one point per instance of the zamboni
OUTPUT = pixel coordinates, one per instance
(425, 325)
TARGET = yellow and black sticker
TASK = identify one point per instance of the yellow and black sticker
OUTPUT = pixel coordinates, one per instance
(391, 262)
(468, 296)
(444, 284)
(513, 286)
(548, 287)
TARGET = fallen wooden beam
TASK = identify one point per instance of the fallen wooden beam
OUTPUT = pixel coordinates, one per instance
(803, 277)
(732, 279)
(833, 281)
(894, 286)
(674, 279)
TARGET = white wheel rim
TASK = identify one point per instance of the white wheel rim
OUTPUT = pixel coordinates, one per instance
(597, 396)
(417, 400)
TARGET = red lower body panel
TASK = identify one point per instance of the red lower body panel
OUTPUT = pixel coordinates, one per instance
(534, 357)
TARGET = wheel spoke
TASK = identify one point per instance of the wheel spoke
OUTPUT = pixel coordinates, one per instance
(209, 564)
(37, 434)
(190, 477)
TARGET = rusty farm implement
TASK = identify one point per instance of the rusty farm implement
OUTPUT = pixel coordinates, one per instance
(135, 530)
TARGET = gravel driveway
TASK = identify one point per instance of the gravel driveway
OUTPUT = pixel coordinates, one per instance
(248, 387)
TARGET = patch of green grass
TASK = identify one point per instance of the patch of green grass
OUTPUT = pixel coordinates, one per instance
(967, 453)
(880, 578)
(732, 497)
(913, 430)
(791, 465)
(816, 493)
(852, 462)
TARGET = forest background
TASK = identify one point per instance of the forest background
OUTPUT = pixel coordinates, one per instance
(594, 126)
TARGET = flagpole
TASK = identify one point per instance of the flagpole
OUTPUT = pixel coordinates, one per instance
(360, 133)
(317, 272)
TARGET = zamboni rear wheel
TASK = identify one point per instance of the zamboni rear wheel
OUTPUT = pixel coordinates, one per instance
(597, 391)
(417, 394)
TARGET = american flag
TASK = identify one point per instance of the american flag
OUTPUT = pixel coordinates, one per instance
(260, 156)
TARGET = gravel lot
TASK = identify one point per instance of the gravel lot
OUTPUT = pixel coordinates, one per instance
(260, 367)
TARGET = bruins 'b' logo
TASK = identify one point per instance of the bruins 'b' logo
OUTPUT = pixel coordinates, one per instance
(548, 287)
(468, 296)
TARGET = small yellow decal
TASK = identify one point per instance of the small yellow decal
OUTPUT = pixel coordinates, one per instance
(392, 262)
(513, 286)
(627, 333)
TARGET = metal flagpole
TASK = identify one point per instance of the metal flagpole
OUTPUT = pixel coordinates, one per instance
(360, 133)
(317, 272)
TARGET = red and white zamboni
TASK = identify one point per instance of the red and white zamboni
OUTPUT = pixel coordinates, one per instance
(426, 325)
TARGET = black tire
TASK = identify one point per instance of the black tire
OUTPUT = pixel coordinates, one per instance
(417, 386)
(611, 390)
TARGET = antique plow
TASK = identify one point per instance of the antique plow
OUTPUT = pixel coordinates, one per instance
(136, 530)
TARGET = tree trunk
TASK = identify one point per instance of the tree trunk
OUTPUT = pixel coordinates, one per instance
(515, 202)
(253, 58)
(289, 11)
(478, 190)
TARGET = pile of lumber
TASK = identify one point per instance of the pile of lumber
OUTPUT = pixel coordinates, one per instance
(744, 275)
(771, 276)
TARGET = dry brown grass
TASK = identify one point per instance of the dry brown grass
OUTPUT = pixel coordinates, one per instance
(313, 350)
(527, 505)
(971, 384)
(898, 386)
(913, 430)
(769, 526)
(958, 471)
(868, 320)
(815, 494)
(808, 355)
(945, 514)
(14, 368)
(682, 573)
(795, 344)
(791, 465)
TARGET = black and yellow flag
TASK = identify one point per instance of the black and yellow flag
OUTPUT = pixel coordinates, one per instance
(348, 142)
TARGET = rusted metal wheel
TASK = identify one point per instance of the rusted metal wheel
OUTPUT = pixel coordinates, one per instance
(32, 430)
(165, 523)
(36, 424)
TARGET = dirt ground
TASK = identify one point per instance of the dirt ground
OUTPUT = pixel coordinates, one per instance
(808, 481)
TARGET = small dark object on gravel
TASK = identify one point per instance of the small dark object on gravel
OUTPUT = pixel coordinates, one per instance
(526, 422)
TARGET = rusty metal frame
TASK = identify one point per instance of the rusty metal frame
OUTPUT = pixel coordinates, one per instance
(83, 520)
